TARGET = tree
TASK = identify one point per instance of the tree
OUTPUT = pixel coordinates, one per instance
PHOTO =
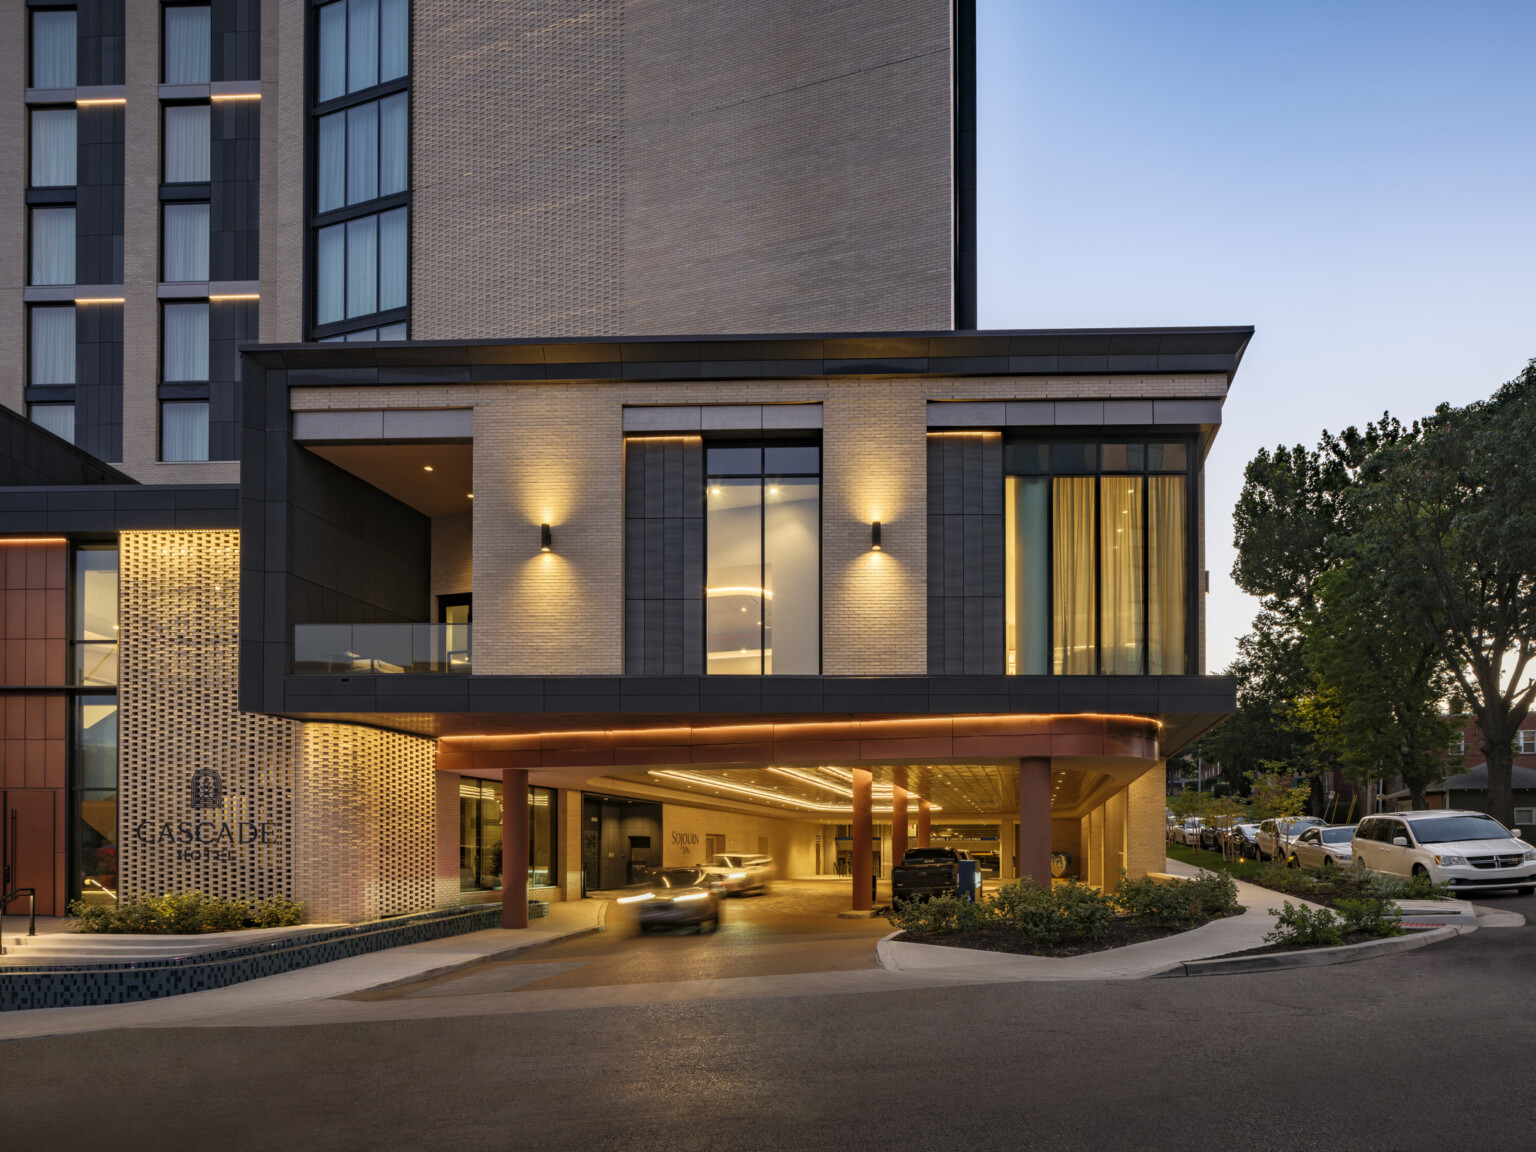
(1277, 797)
(1447, 527)
(1379, 687)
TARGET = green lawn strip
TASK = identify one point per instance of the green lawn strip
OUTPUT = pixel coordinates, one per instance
(1212, 862)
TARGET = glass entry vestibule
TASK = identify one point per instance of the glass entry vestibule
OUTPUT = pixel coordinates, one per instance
(1098, 556)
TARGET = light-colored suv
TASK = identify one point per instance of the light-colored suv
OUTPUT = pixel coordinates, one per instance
(738, 874)
(1463, 849)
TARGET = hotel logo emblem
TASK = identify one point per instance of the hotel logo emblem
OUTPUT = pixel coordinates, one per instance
(207, 789)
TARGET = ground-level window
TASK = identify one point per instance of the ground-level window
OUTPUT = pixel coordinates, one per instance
(95, 799)
(480, 835)
(1525, 819)
(1097, 556)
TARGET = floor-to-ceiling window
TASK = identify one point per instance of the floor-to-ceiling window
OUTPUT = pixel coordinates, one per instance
(93, 723)
(480, 836)
(1098, 557)
(762, 558)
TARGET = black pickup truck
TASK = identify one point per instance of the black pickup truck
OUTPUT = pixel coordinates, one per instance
(925, 872)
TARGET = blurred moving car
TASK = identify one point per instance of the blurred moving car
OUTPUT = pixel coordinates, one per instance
(739, 874)
(1323, 848)
(1450, 846)
(676, 897)
(1276, 836)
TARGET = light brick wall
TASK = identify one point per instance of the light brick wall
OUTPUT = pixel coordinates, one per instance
(1114, 839)
(13, 217)
(1146, 822)
(627, 166)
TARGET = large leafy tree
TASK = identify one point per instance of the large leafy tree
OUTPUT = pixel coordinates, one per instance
(1447, 528)
(1378, 686)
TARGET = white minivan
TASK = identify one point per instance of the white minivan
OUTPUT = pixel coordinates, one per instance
(1459, 848)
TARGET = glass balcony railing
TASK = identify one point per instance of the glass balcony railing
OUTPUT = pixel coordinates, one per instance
(389, 648)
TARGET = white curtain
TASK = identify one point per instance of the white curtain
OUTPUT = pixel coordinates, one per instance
(186, 144)
(362, 44)
(188, 40)
(362, 266)
(331, 274)
(393, 251)
(1120, 574)
(53, 49)
(333, 50)
(394, 144)
(53, 345)
(363, 152)
(1076, 614)
(53, 148)
(331, 163)
(56, 418)
(393, 331)
(1166, 565)
(53, 245)
(186, 341)
(184, 430)
(186, 243)
(395, 39)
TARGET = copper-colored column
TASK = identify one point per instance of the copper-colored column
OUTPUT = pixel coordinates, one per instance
(898, 823)
(514, 847)
(924, 833)
(863, 841)
(1035, 819)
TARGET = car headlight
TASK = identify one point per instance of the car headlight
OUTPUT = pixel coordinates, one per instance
(1530, 853)
(634, 899)
(735, 875)
(1449, 858)
(690, 896)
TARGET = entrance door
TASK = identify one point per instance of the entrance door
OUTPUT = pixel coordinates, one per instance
(714, 845)
(27, 847)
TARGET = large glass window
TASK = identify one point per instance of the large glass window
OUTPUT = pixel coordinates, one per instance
(53, 147)
(53, 48)
(360, 267)
(187, 143)
(53, 345)
(362, 43)
(362, 153)
(95, 798)
(480, 843)
(56, 418)
(53, 246)
(188, 42)
(95, 627)
(185, 255)
(763, 559)
(186, 342)
(184, 430)
(1097, 558)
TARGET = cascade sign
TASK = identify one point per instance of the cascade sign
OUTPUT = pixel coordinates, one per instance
(205, 840)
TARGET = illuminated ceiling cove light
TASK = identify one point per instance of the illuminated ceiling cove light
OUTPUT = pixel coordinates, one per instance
(691, 778)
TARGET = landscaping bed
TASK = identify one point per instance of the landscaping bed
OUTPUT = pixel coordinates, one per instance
(1326, 888)
(1067, 919)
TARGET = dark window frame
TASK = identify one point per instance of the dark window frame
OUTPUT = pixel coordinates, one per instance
(1191, 472)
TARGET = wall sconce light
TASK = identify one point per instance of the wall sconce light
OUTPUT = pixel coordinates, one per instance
(874, 535)
(546, 538)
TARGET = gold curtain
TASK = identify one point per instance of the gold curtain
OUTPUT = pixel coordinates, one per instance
(1166, 563)
(1120, 574)
(1076, 622)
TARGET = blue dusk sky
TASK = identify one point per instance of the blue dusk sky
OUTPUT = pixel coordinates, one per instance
(1355, 178)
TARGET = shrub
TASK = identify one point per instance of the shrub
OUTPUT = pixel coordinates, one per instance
(1214, 894)
(936, 916)
(1304, 927)
(183, 914)
(1043, 916)
(1372, 916)
(1188, 902)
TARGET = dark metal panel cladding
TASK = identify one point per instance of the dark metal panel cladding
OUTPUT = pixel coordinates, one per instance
(663, 556)
(235, 26)
(234, 194)
(230, 324)
(965, 554)
(99, 380)
(99, 27)
(99, 195)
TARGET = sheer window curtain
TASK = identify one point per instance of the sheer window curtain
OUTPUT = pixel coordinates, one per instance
(331, 274)
(53, 147)
(394, 144)
(333, 51)
(184, 430)
(362, 266)
(1167, 502)
(186, 342)
(362, 44)
(1076, 618)
(53, 49)
(331, 163)
(394, 39)
(363, 152)
(56, 418)
(187, 144)
(53, 246)
(186, 243)
(187, 45)
(53, 345)
(1120, 574)
(393, 259)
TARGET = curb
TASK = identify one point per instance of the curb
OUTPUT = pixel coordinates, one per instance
(1312, 958)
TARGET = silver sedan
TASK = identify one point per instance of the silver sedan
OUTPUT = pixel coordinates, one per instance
(1318, 849)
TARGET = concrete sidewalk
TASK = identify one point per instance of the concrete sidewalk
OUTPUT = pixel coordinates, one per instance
(298, 991)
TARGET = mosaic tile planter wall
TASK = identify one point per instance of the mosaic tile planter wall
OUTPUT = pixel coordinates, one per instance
(66, 986)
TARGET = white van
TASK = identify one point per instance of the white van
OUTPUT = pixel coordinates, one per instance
(1459, 848)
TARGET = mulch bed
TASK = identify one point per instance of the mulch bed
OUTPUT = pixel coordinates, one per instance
(1121, 933)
